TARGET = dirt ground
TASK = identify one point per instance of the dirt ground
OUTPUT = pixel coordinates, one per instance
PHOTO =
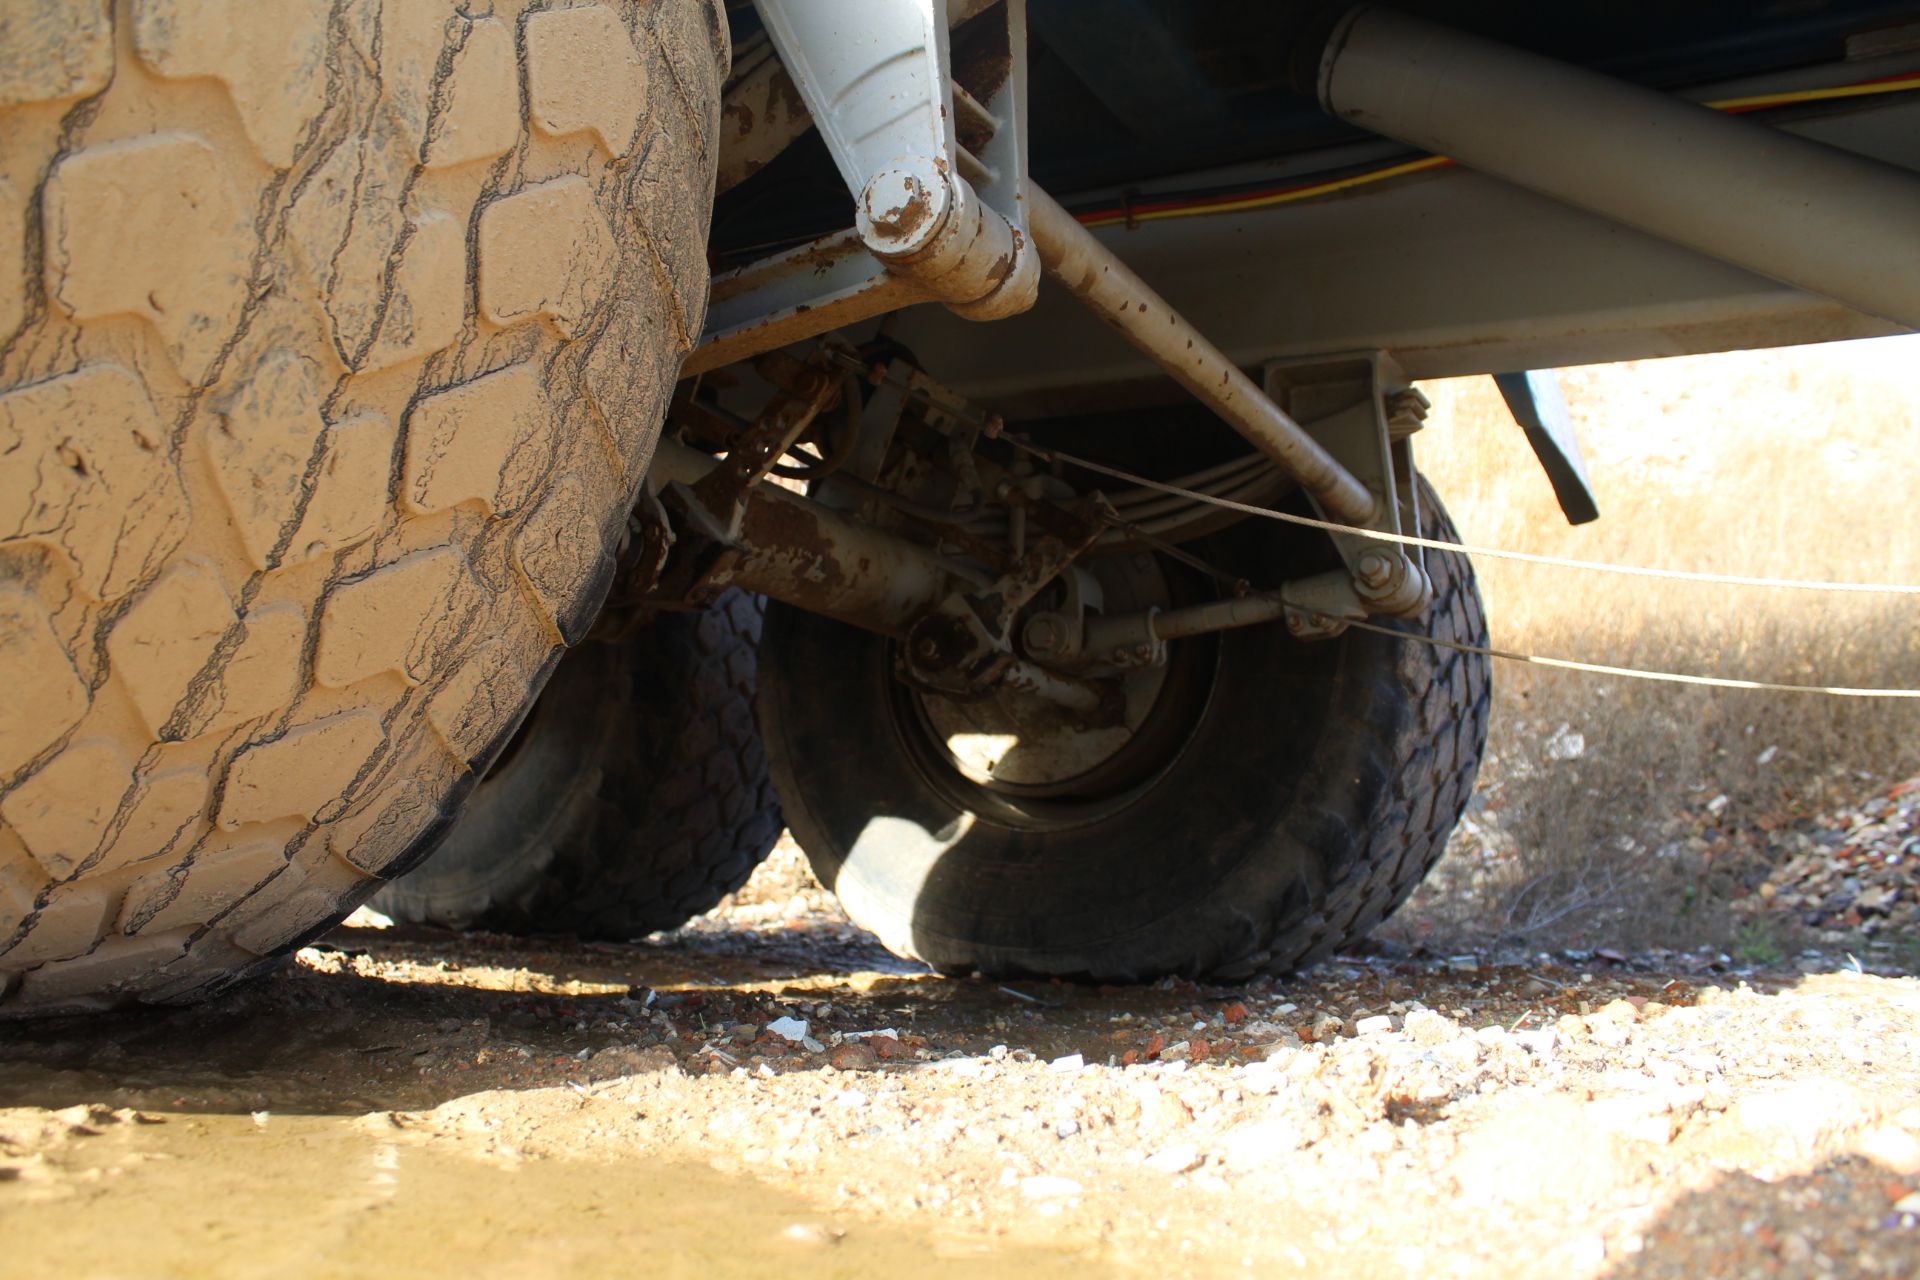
(429, 1104)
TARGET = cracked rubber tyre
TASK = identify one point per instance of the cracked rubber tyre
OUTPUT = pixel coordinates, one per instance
(634, 797)
(1285, 795)
(334, 342)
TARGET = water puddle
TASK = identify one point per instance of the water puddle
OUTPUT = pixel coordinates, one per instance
(324, 1196)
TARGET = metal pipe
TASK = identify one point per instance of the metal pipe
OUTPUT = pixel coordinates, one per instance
(807, 555)
(1091, 272)
(1063, 691)
(1813, 216)
(1219, 615)
(1106, 634)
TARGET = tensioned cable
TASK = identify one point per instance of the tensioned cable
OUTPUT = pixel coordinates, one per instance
(1635, 673)
(1509, 655)
(1496, 553)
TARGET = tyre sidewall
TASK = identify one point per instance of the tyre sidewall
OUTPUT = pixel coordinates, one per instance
(545, 788)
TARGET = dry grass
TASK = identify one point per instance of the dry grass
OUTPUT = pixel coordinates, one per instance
(1793, 463)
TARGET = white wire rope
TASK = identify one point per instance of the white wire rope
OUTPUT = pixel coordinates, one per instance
(1635, 673)
(1531, 659)
(1496, 553)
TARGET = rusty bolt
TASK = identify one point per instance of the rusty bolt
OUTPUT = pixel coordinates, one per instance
(1045, 634)
(1296, 623)
(1375, 569)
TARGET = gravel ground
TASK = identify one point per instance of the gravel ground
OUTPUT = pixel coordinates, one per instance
(767, 1087)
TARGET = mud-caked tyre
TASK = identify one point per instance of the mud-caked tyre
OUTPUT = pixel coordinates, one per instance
(1280, 798)
(634, 797)
(334, 342)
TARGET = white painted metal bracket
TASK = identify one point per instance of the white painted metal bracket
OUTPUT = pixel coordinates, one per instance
(1363, 411)
(936, 220)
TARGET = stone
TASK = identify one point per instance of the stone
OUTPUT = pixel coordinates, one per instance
(1892, 1148)
(788, 1028)
(1046, 1186)
(1799, 1121)
(1507, 1160)
(1424, 1026)
(1182, 1157)
(854, 1055)
(1263, 1142)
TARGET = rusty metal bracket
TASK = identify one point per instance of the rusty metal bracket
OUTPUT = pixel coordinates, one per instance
(693, 543)
(803, 389)
(965, 645)
(1363, 411)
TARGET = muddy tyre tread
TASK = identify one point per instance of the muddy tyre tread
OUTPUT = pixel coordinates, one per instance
(318, 454)
(668, 808)
(1428, 798)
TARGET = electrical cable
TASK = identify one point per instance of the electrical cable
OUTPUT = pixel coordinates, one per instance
(1241, 200)
(1246, 197)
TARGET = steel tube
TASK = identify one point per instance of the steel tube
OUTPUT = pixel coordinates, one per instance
(1810, 215)
(1219, 615)
(1092, 273)
(1063, 691)
(1125, 630)
(810, 556)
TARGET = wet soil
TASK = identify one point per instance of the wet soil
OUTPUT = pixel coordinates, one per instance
(433, 1104)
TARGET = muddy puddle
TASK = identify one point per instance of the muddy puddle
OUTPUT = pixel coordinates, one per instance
(151, 1194)
(781, 1096)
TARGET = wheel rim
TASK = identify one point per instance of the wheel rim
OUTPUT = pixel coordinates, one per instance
(1016, 760)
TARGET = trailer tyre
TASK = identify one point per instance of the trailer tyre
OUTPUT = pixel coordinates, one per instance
(634, 797)
(1287, 794)
(334, 342)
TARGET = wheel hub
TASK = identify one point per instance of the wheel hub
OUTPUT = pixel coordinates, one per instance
(1016, 744)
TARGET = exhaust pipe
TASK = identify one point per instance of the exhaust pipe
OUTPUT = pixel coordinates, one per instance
(1801, 212)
